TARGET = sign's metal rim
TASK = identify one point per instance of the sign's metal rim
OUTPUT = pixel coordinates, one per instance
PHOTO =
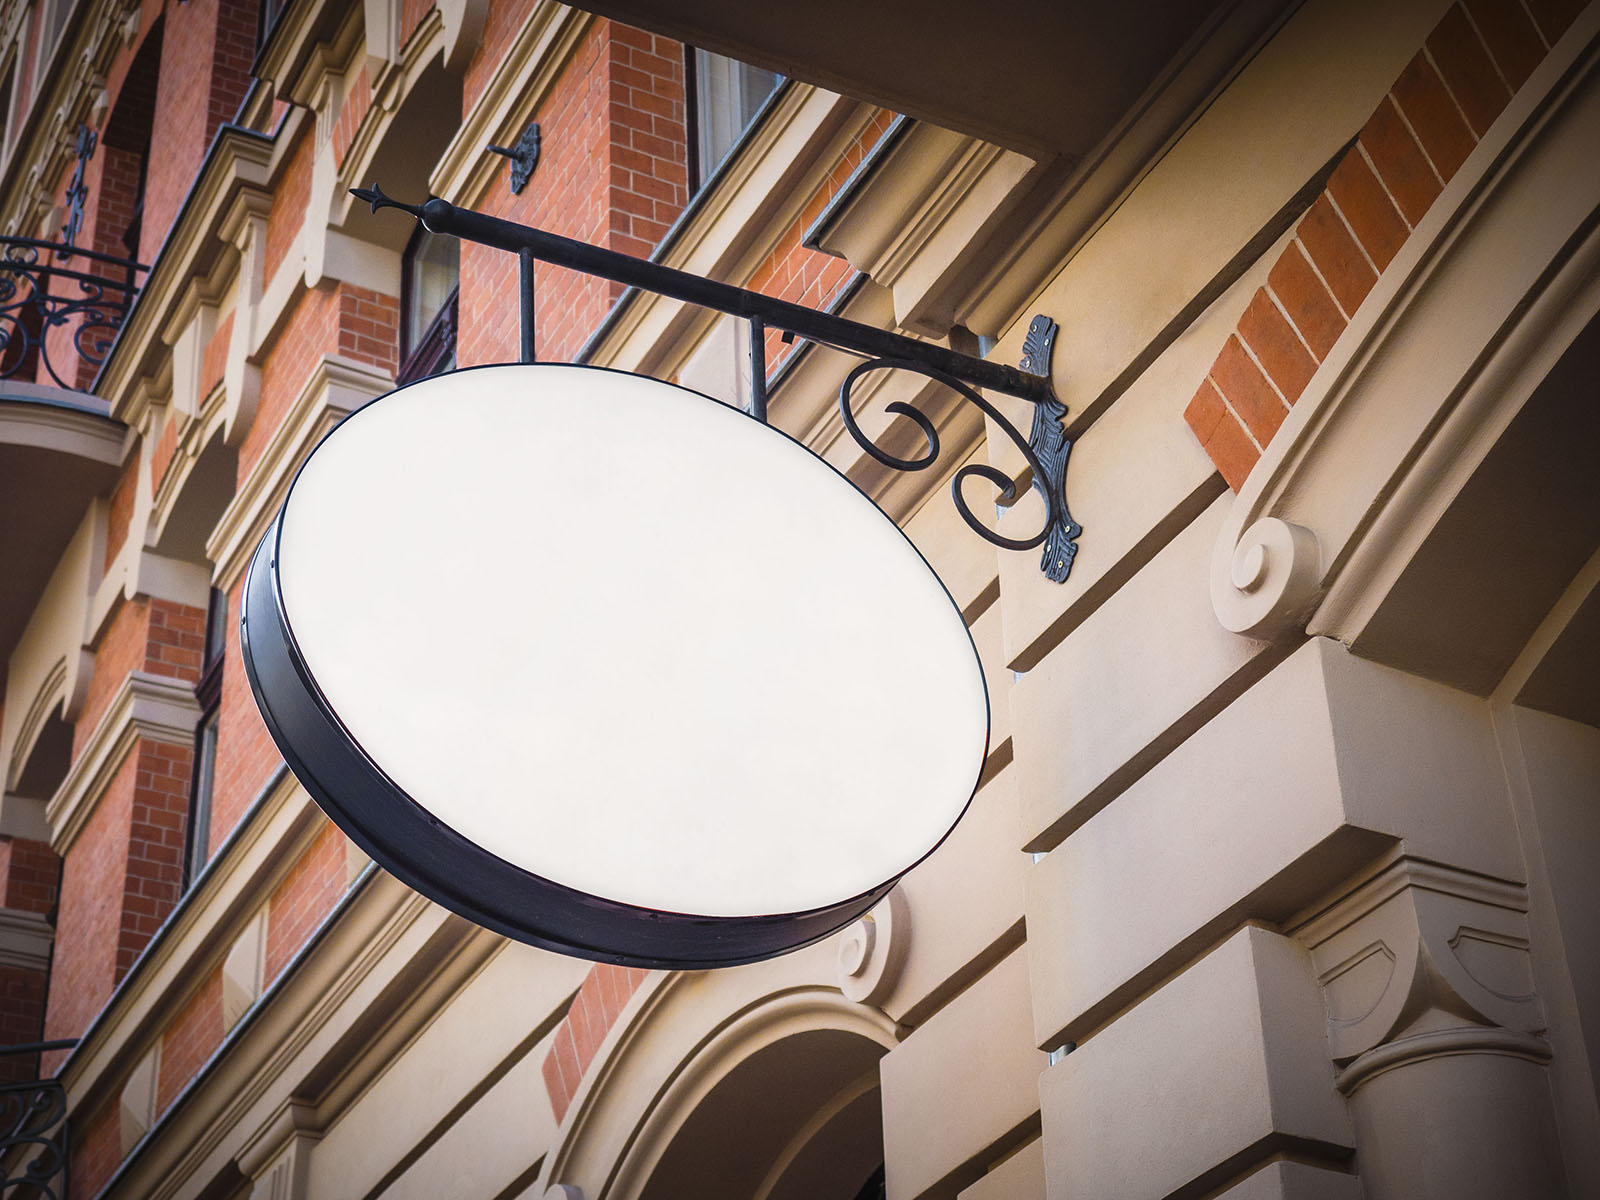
(416, 847)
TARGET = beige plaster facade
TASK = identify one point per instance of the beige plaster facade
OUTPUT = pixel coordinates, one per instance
(1281, 880)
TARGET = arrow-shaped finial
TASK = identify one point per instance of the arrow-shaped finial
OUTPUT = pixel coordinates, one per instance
(374, 196)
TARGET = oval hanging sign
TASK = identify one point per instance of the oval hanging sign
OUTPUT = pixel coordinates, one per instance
(610, 667)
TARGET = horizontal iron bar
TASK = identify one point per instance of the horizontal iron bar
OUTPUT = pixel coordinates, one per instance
(440, 216)
(34, 1047)
(65, 251)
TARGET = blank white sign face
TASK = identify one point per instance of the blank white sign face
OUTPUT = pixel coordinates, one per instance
(632, 641)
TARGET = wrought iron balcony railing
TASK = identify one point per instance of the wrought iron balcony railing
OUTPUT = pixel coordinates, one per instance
(33, 1132)
(61, 305)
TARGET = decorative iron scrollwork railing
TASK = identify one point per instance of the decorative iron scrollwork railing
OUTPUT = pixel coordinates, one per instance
(33, 1140)
(60, 300)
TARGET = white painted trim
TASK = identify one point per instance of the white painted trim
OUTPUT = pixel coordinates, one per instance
(25, 939)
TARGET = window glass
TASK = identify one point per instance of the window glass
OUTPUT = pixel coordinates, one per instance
(209, 693)
(430, 273)
(727, 96)
(433, 267)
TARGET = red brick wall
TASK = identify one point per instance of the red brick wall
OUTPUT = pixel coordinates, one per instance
(214, 363)
(21, 1020)
(355, 107)
(161, 454)
(205, 63)
(289, 200)
(89, 924)
(605, 991)
(793, 272)
(157, 636)
(306, 895)
(499, 30)
(121, 510)
(309, 333)
(30, 873)
(96, 1148)
(154, 879)
(120, 879)
(189, 1040)
(613, 173)
(369, 327)
(1443, 102)
(246, 755)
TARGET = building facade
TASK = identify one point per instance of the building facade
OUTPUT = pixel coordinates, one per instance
(1279, 879)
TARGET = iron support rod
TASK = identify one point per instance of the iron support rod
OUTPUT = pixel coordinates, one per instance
(440, 216)
(525, 261)
(758, 369)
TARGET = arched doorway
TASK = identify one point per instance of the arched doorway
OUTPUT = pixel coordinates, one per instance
(799, 1119)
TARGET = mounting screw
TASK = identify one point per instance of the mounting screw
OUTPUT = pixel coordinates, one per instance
(524, 157)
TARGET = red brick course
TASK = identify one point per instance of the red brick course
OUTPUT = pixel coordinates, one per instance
(158, 636)
(1415, 142)
(246, 754)
(306, 895)
(613, 173)
(605, 992)
(30, 875)
(120, 511)
(21, 1020)
(189, 1040)
(96, 1147)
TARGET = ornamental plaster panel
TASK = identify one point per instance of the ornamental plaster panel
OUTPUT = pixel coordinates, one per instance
(25, 939)
(1422, 955)
(1187, 1113)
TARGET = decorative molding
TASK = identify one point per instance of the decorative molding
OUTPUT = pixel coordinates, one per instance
(1424, 960)
(873, 951)
(463, 22)
(335, 387)
(278, 1157)
(240, 164)
(25, 940)
(1372, 451)
(23, 817)
(243, 970)
(526, 72)
(136, 1106)
(150, 707)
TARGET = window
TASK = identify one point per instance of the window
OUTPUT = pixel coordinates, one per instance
(429, 275)
(209, 692)
(724, 96)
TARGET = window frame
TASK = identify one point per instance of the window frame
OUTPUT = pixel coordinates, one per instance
(202, 773)
(434, 351)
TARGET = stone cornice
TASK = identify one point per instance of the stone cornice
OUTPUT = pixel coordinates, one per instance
(1320, 527)
(25, 939)
(334, 388)
(153, 707)
(71, 77)
(240, 162)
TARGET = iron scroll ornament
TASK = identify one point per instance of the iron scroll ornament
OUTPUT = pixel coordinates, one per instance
(33, 1124)
(1045, 450)
(30, 306)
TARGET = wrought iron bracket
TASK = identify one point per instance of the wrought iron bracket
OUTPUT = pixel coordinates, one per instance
(524, 157)
(1045, 449)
